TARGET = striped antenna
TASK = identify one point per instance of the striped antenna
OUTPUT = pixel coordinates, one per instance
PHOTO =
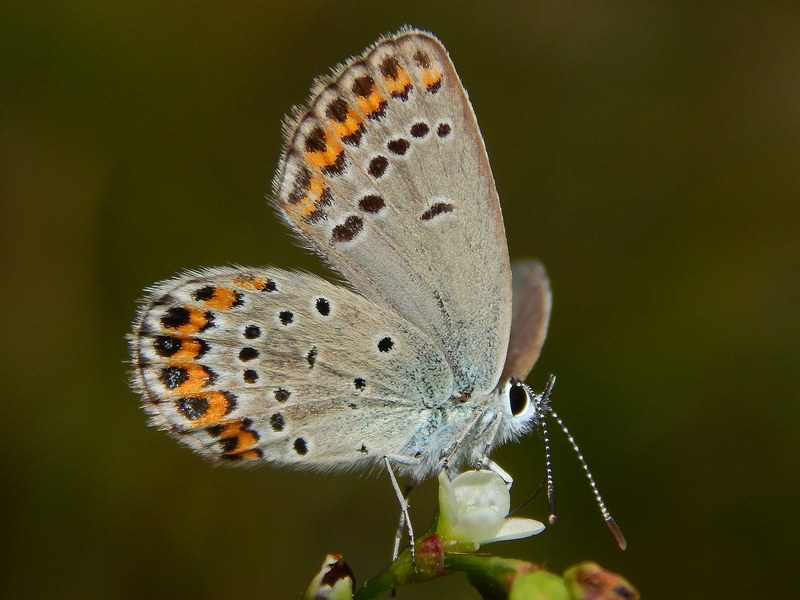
(543, 406)
(543, 403)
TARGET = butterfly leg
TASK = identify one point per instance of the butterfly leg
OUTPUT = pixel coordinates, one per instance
(451, 452)
(398, 537)
(488, 463)
(405, 518)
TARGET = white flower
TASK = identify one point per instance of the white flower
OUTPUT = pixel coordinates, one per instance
(473, 509)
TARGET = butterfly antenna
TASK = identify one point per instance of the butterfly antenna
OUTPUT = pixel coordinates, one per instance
(612, 524)
(543, 404)
(551, 486)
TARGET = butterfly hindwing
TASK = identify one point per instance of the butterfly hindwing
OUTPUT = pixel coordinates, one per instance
(286, 367)
(531, 315)
(386, 176)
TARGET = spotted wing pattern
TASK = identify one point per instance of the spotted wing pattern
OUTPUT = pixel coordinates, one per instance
(266, 364)
(386, 176)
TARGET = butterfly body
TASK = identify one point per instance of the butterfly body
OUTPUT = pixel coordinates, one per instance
(385, 175)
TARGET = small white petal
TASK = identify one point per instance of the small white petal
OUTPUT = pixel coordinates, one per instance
(478, 525)
(448, 507)
(516, 528)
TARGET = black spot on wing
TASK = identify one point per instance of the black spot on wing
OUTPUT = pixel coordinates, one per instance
(440, 208)
(377, 166)
(348, 230)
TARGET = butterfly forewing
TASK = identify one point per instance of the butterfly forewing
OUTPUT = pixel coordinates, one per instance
(386, 176)
(286, 367)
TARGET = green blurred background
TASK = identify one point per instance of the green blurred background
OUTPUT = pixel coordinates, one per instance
(647, 153)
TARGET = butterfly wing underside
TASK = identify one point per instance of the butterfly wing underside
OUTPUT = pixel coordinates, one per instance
(386, 176)
(531, 315)
(265, 364)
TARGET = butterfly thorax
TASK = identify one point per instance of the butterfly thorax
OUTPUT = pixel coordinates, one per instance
(460, 433)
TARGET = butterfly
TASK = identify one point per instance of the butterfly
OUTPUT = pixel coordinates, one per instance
(417, 364)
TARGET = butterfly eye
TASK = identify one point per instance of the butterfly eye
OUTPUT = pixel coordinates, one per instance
(517, 398)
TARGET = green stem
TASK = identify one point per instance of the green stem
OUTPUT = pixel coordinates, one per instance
(396, 575)
(492, 576)
(429, 565)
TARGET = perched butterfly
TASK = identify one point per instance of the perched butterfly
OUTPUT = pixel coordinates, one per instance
(418, 364)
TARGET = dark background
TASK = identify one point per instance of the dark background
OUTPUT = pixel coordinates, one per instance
(647, 153)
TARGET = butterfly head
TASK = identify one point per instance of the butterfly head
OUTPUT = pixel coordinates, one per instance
(522, 408)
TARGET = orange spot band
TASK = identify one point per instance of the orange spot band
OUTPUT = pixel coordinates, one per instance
(250, 283)
(256, 283)
(218, 407)
(245, 440)
(198, 319)
(327, 157)
(223, 299)
(198, 378)
(190, 349)
(370, 104)
(399, 82)
(308, 203)
(249, 454)
(350, 125)
(431, 77)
